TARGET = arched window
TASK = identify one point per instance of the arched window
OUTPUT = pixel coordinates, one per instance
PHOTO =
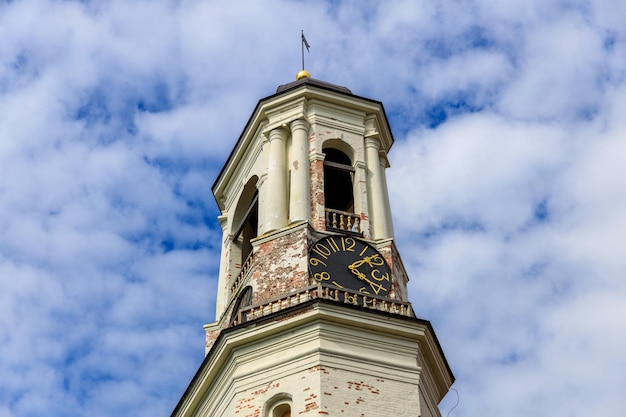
(278, 406)
(339, 192)
(245, 226)
(338, 173)
(244, 300)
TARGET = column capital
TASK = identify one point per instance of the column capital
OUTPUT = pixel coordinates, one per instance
(299, 124)
(317, 156)
(372, 142)
(277, 133)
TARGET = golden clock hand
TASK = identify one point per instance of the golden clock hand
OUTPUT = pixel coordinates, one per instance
(356, 264)
(360, 275)
(353, 268)
(374, 260)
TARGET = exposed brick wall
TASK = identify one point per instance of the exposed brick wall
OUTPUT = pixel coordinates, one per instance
(210, 338)
(280, 266)
(318, 217)
(401, 278)
(327, 391)
(356, 394)
(251, 403)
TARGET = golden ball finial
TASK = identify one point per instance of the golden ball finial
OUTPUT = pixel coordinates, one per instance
(303, 74)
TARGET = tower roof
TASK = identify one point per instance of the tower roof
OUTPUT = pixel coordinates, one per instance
(312, 81)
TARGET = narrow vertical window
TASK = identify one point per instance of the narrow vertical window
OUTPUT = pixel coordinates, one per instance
(248, 228)
(245, 225)
(339, 192)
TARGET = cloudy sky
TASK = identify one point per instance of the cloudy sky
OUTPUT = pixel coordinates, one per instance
(508, 187)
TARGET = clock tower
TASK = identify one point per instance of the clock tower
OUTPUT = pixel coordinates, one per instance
(312, 310)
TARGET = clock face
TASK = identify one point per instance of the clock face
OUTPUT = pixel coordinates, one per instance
(346, 262)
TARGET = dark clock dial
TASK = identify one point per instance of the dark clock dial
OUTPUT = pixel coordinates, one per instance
(346, 262)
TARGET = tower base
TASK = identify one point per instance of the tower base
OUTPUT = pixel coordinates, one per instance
(321, 357)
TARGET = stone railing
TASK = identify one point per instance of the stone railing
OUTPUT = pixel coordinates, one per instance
(324, 292)
(245, 267)
(342, 220)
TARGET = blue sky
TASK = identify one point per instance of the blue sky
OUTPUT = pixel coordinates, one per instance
(507, 186)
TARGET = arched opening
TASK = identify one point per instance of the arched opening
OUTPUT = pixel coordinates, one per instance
(248, 227)
(278, 406)
(243, 300)
(245, 225)
(338, 172)
(339, 192)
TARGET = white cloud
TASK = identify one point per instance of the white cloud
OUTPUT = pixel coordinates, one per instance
(562, 71)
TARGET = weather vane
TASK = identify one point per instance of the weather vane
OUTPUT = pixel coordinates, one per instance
(304, 73)
(304, 44)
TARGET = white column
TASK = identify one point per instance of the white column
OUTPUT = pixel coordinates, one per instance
(262, 186)
(361, 196)
(376, 190)
(300, 195)
(222, 286)
(383, 176)
(275, 211)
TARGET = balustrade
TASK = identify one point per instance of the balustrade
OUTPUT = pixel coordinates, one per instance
(245, 267)
(343, 220)
(324, 292)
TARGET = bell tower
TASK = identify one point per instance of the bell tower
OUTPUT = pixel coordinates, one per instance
(312, 311)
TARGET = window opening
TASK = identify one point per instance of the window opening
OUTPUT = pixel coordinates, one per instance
(339, 193)
(245, 222)
(338, 171)
(244, 300)
(248, 228)
(278, 406)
